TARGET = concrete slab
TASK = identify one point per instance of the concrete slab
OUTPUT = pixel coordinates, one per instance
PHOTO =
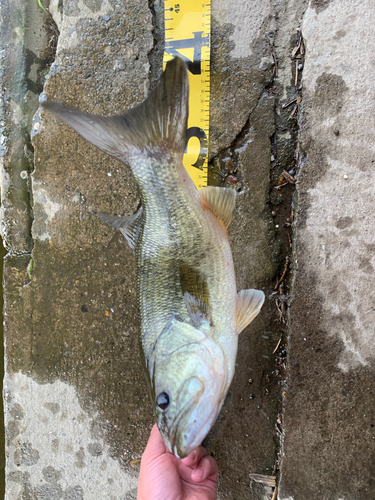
(329, 418)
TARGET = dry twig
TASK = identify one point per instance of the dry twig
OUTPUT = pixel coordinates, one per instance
(292, 113)
(134, 463)
(288, 177)
(267, 480)
(287, 260)
(286, 104)
(279, 342)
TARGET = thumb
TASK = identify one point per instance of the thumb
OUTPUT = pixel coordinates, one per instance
(155, 446)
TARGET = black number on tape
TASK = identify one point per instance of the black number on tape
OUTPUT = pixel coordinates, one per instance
(201, 135)
(196, 43)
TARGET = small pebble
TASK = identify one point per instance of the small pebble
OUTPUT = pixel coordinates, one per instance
(277, 226)
(109, 174)
(37, 126)
(272, 158)
(345, 176)
(252, 396)
(23, 174)
(232, 179)
(273, 213)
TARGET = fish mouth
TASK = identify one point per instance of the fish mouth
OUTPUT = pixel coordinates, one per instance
(172, 437)
(182, 451)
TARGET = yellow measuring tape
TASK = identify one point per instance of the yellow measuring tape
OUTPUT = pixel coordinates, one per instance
(187, 34)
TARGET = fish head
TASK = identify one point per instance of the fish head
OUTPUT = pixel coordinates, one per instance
(188, 380)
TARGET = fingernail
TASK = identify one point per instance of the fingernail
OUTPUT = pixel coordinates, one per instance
(198, 473)
(193, 456)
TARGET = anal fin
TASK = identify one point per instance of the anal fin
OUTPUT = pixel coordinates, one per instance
(248, 305)
(127, 225)
(221, 201)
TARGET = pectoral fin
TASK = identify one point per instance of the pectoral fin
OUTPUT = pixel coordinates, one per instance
(195, 291)
(248, 305)
(197, 310)
(127, 225)
(221, 201)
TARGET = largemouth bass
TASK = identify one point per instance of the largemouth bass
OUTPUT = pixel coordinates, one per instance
(190, 311)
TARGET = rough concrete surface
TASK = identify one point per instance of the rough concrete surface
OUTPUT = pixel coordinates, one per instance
(329, 413)
(77, 412)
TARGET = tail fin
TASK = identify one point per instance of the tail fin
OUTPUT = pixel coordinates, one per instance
(157, 125)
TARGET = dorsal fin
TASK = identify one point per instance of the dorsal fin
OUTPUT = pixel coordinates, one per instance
(221, 201)
(127, 225)
(157, 125)
(248, 305)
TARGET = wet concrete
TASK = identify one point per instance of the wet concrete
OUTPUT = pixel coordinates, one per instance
(77, 410)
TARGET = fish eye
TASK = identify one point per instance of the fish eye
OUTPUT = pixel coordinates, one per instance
(162, 401)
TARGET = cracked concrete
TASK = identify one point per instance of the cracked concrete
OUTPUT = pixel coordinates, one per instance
(77, 412)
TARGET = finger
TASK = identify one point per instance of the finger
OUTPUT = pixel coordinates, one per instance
(206, 468)
(155, 446)
(195, 457)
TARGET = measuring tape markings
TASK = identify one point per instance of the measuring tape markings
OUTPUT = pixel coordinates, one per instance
(187, 35)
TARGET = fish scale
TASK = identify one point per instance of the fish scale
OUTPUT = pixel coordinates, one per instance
(183, 212)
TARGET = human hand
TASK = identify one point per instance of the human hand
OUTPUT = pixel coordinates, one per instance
(163, 476)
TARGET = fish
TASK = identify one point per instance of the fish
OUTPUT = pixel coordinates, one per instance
(190, 311)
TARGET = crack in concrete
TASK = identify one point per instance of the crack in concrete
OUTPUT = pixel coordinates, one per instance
(155, 55)
(215, 163)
